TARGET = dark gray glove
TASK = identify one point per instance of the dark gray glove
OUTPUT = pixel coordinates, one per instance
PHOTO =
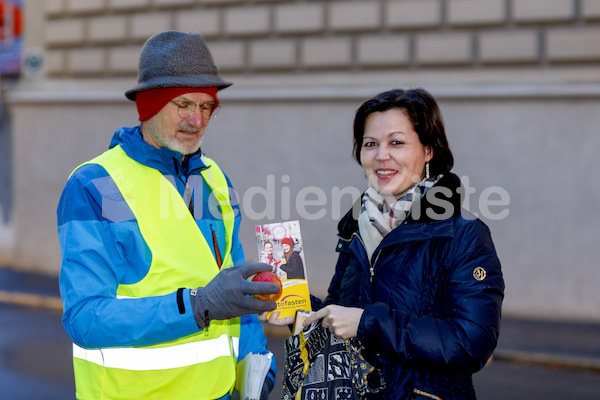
(225, 297)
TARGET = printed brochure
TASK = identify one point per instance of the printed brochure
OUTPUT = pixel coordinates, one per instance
(280, 245)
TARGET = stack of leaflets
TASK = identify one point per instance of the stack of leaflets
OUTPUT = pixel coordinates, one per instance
(251, 373)
(280, 245)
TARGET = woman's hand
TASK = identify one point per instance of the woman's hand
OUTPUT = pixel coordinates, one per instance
(341, 321)
(273, 320)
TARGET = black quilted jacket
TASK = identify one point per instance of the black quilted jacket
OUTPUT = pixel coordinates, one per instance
(432, 298)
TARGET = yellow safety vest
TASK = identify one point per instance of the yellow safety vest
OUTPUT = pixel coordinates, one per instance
(199, 366)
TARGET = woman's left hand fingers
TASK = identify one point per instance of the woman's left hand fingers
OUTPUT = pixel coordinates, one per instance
(316, 316)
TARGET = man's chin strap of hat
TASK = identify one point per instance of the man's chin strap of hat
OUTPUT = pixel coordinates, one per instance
(150, 102)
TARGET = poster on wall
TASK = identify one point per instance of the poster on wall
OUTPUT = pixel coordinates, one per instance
(11, 36)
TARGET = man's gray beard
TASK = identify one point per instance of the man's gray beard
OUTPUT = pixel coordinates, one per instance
(174, 146)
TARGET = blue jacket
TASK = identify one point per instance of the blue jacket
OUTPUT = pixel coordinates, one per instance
(102, 247)
(430, 321)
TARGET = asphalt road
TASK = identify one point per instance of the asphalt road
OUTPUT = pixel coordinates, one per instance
(510, 380)
(35, 363)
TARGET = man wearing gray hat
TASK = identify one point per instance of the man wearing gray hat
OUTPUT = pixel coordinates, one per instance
(153, 281)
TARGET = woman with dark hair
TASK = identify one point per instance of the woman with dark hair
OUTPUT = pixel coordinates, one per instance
(417, 281)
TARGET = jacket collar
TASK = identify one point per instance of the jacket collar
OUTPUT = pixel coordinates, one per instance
(406, 233)
(440, 202)
(163, 159)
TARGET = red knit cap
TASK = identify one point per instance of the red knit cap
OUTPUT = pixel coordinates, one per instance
(150, 102)
(288, 241)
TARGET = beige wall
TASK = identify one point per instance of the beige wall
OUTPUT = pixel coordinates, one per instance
(518, 83)
(526, 145)
(98, 38)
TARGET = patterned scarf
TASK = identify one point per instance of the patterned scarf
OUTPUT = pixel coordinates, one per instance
(380, 213)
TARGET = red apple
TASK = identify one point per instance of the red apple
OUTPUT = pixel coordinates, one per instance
(268, 277)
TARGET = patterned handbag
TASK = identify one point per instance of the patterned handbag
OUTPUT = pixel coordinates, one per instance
(319, 366)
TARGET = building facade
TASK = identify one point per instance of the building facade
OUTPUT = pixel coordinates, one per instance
(518, 82)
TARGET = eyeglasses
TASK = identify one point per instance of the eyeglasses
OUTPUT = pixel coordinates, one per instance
(186, 109)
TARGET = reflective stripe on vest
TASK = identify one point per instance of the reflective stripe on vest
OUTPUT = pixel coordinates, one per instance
(235, 346)
(181, 257)
(145, 359)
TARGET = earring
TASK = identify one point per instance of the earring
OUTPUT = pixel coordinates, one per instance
(427, 170)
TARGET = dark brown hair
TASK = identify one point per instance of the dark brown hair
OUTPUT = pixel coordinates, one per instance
(425, 116)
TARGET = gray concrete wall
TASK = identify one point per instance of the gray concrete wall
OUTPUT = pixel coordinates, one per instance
(540, 150)
(49, 141)
(518, 82)
(6, 183)
(535, 145)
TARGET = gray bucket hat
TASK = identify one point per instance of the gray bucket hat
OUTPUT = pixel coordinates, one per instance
(176, 59)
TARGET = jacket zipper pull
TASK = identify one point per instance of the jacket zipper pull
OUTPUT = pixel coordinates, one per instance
(372, 263)
(188, 191)
(188, 195)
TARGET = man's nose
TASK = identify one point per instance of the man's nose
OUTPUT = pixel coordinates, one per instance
(197, 118)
